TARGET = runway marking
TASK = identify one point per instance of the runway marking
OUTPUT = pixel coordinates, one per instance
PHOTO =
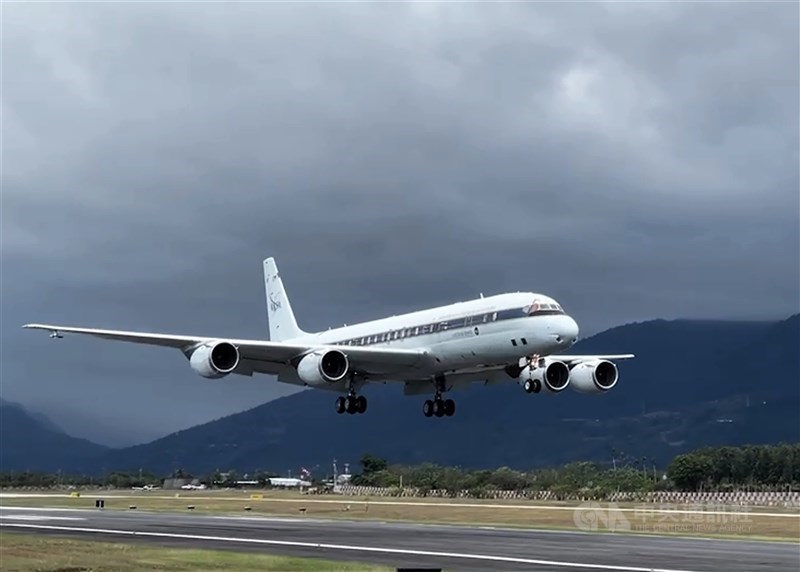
(43, 509)
(293, 520)
(346, 547)
(37, 517)
(649, 508)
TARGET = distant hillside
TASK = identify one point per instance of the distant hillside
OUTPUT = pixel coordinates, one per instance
(692, 384)
(30, 441)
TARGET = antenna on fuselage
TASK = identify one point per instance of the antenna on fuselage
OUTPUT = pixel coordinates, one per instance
(481, 295)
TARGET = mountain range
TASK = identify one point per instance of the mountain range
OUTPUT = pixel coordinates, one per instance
(30, 441)
(692, 383)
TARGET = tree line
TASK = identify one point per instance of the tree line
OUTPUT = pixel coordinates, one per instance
(124, 480)
(734, 468)
(759, 467)
(753, 467)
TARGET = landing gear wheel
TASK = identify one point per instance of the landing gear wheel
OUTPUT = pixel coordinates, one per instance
(351, 404)
(532, 386)
(341, 405)
(449, 407)
(438, 408)
(361, 404)
(427, 408)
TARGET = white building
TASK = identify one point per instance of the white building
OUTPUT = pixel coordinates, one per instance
(288, 482)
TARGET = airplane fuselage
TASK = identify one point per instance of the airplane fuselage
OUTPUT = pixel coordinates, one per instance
(477, 333)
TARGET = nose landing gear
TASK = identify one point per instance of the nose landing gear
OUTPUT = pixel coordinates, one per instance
(532, 386)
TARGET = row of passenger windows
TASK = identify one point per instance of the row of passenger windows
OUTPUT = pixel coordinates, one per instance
(535, 309)
(423, 330)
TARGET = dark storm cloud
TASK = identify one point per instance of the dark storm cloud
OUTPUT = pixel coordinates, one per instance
(633, 160)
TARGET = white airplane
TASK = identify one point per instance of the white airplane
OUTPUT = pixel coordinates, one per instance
(499, 338)
(191, 487)
(146, 488)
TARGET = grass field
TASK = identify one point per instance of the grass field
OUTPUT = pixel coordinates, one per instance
(29, 553)
(763, 522)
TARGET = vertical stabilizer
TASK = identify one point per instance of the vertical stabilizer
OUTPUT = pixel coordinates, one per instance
(282, 324)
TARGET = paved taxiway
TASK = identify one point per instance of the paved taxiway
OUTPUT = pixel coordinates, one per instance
(407, 545)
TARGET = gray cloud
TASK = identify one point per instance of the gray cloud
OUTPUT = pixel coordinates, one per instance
(634, 161)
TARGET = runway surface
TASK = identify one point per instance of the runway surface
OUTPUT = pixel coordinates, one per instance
(412, 545)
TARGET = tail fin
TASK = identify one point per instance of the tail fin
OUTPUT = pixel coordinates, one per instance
(282, 324)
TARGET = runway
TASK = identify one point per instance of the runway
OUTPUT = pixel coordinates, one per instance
(412, 545)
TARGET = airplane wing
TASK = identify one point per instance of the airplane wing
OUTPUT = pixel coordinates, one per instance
(570, 360)
(271, 356)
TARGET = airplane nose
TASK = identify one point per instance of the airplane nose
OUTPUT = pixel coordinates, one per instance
(569, 330)
(574, 329)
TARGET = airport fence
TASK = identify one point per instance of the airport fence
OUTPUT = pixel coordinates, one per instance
(749, 498)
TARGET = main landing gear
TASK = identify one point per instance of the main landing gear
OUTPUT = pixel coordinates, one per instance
(351, 404)
(439, 407)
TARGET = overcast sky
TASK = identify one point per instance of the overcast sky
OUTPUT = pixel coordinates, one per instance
(634, 161)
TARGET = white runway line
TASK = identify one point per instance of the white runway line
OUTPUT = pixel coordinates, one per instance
(346, 547)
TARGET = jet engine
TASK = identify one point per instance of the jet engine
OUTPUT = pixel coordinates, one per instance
(596, 376)
(550, 374)
(323, 367)
(215, 359)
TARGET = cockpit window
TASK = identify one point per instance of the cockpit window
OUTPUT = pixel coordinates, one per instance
(537, 308)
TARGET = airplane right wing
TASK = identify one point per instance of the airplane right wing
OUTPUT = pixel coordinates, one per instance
(256, 355)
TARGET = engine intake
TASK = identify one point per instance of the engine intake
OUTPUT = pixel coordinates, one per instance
(215, 360)
(323, 367)
(597, 376)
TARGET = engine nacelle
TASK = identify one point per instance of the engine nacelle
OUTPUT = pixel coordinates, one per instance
(215, 360)
(323, 367)
(597, 376)
(549, 374)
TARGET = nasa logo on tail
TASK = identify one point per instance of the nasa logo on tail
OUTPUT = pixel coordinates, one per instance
(273, 303)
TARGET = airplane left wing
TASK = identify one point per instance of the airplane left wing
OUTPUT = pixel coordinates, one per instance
(272, 355)
(570, 360)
